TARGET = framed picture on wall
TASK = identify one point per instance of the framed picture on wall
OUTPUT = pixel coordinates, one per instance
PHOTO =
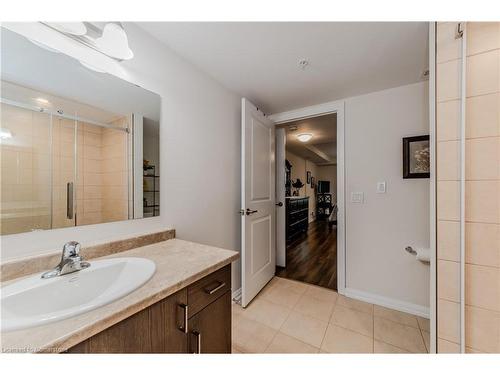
(416, 157)
(308, 177)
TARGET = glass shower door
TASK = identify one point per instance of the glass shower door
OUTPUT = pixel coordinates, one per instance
(25, 149)
(64, 169)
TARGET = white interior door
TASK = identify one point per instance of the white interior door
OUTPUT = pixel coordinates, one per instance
(258, 216)
(280, 197)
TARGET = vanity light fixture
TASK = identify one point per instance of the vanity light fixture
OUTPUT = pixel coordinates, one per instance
(108, 38)
(5, 133)
(304, 137)
(73, 28)
(114, 42)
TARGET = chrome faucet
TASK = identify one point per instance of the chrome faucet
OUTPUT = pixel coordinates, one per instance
(71, 261)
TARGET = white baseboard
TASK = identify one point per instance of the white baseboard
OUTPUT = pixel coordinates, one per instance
(237, 295)
(390, 303)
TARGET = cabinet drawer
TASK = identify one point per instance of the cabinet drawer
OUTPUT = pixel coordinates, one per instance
(208, 289)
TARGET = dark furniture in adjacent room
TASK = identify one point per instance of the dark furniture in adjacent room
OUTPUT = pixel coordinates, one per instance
(297, 216)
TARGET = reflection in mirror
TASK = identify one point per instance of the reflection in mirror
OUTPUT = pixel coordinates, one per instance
(77, 146)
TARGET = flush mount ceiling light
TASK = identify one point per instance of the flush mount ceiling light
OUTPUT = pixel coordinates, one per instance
(73, 28)
(304, 137)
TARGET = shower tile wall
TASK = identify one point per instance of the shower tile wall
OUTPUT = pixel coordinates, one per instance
(102, 193)
(115, 173)
(482, 188)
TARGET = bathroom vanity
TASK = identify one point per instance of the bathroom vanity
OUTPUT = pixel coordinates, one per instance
(185, 307)
(196, 319)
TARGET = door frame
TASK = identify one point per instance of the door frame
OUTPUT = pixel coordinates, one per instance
(315, 111)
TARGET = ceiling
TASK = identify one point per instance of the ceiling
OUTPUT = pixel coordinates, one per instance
(58, 77)
(260, 60)
(321, 149)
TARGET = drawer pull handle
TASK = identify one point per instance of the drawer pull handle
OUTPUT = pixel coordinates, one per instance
(198, 342)
(216, 289)
(184, 327)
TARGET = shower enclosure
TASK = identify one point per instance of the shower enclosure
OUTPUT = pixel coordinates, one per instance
(467, 134)
(59, 170)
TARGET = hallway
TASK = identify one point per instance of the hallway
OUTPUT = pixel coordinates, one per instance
(312, 258)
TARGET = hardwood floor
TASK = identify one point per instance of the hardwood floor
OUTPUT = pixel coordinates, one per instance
(312, 258)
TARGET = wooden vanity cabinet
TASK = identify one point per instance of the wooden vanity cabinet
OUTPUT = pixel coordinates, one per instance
(206, 307)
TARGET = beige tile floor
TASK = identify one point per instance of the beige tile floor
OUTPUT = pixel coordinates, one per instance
(293, 317)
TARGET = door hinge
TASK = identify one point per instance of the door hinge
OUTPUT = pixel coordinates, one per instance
(459, 32)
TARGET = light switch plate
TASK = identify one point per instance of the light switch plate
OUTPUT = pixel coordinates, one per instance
(381, 187)
(357, 197)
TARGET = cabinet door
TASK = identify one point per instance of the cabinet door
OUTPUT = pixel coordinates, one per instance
(131, 335)
(167, 321)
(210, 329)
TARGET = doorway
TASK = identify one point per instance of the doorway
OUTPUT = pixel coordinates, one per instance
(307, 237)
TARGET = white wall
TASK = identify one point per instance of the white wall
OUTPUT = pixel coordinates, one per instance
(200, 129)
(379, 229)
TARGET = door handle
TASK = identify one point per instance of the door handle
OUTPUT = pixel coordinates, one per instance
(279, 204)
(198, 341)
(249, 211)
(184, 327)
(69, 200)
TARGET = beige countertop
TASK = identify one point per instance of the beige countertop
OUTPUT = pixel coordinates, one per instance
(178, 264)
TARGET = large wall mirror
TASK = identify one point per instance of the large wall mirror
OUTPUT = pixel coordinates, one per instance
(77, 147)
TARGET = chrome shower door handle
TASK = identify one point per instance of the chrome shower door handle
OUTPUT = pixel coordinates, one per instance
(69, 200)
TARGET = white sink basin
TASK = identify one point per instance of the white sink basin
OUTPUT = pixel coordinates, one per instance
(35, 301)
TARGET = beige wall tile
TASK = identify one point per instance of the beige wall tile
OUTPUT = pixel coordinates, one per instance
(482, 286)
(448, 120)
(92, 179)
(92, 205)
(92, 152)
(448, 240)
(92, 166)
(483, 73)
(448, 280)
(448, 48)
(482, 244)
(92, 139)
(448, 157)
(448, 320)
(448, 81)
(482, 201)
(482, 329)
(483, 116)
(341, 340)
(482, 159)
(482, 37)
(448, 202)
